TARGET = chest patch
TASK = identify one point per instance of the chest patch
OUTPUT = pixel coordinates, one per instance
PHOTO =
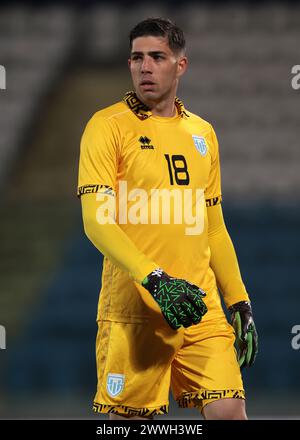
(200, 144)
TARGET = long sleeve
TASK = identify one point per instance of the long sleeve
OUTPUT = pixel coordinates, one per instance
(223, 258)
(112, 242)
(98, 166)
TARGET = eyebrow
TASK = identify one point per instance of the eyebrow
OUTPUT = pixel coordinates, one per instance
(151, 53)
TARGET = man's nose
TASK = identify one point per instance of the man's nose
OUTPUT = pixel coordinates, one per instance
(146, 65)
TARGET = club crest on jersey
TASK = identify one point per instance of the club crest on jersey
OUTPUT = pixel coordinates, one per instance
(115, 384)
(200, 144)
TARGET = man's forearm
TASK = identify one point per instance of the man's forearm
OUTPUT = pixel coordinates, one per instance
(223, 259)
(113, 243)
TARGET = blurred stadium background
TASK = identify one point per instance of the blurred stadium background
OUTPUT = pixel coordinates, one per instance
(64, 61)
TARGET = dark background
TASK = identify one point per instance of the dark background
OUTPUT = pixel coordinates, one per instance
(66, 60)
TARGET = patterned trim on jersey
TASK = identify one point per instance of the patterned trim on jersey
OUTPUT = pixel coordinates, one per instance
(136, 106)
(142, 111)
(129, 411)
(87, 189)
(214, 201)
(180, 108)
(188, 400)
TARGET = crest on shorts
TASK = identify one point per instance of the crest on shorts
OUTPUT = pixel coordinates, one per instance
(115, 384)
(200, 144)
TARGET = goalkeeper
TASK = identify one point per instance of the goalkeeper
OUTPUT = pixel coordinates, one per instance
(161, 324)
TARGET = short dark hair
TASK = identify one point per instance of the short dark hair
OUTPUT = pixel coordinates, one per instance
(159, 27)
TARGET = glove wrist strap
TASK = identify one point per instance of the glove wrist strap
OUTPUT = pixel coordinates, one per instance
(241, 306)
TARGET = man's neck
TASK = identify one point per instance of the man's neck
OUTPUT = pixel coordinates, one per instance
(165, 108)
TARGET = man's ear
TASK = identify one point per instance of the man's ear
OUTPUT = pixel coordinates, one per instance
(182, 65)
(129, 62)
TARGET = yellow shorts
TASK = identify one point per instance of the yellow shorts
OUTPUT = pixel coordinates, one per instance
(138, 363)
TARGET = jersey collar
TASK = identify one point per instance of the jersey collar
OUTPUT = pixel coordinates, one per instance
(142, 111)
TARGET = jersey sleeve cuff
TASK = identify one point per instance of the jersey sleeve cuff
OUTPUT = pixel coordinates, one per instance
(213, 201)
(94, 188)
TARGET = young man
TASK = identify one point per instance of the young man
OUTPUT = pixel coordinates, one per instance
(149, 182)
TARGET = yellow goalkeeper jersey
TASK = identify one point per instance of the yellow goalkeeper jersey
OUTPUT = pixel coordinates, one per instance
(162, 174)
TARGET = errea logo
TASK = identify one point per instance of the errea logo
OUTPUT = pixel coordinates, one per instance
(145, 143)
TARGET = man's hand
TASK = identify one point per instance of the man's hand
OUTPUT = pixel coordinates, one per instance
(245, 333)
(180, 301)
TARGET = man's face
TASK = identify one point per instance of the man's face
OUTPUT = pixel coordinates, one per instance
(154, 68)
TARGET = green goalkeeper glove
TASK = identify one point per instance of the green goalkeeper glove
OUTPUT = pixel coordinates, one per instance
(245, 333)
(180, 301)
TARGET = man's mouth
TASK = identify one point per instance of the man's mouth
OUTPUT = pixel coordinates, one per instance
(147, 83)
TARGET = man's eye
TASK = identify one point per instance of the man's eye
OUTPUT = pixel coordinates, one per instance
(158, 57)
(136, 57)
